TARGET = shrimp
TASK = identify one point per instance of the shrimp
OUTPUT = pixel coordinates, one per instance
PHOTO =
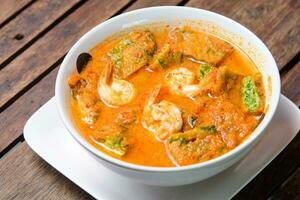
(181, 82)
(114, 92)
(163, 118)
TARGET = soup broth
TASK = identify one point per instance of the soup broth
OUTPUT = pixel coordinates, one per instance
(169, 96)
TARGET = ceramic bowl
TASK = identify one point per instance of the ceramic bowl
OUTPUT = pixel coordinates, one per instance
(207, 21)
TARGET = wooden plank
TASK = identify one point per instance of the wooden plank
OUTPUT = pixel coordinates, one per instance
(290, 84)
(146, 3)
(27, 25)
(10, 7)
(275, 22)
(274, 174)
(13, 119)
(26, 176)
(290, 189)
(53, 45)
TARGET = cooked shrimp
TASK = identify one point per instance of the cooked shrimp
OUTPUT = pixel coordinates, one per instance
(178, 78)
(114, 92)
(163, 118)
(181, 82)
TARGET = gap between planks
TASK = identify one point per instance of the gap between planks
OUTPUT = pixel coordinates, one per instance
(290, 189)
(288, 177)
(16, 13)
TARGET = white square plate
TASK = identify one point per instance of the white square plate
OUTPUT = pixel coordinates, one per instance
(46, 135)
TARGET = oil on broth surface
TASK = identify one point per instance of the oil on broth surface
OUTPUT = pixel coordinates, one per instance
(219, 102)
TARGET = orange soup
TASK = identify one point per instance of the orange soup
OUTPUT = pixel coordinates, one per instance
(168, 96)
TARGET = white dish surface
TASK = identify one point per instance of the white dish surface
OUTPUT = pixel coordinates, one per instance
(46, 135)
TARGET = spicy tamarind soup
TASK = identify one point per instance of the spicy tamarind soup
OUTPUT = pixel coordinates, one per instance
(166, 96)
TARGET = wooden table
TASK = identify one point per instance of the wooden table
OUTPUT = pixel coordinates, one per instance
(36, 35)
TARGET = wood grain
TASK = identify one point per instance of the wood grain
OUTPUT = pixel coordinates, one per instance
(53, 45)
(10, 7)
(146, 3)
(275, 22)
(13, 119)
(291, 84)
(274, 174)
(24, 175)
(290, 189)
(27, 25)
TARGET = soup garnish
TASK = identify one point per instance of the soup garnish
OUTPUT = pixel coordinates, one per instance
(168, 96)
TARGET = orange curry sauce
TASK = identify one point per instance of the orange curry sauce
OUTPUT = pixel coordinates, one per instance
(222, 111)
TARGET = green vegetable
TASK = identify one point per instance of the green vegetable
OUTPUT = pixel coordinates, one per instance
(161, 62)
(209, 129)
(250, 96)
(126, 42)
(162, 59)
(114, 144)
(189, 136)
(181, 140)
(204, 69)
(132, 53)
(176, 57)
(116, 55)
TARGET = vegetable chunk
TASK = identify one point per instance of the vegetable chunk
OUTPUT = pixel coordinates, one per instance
(114, 144)
(195, 145)
(214, 81)
(112, 138)
(204, 69)
(200, 45)
(231, 121)
(87, 101)
(250, 96)
(165, 57)
(132, 53)
(162, 59)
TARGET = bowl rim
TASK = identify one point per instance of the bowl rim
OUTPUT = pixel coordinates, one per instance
(253, 137)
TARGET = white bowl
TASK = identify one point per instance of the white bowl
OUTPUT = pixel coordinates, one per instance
(208, 21)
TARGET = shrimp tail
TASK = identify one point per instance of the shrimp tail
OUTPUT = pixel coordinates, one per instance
(153, 95)
(108, 73)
